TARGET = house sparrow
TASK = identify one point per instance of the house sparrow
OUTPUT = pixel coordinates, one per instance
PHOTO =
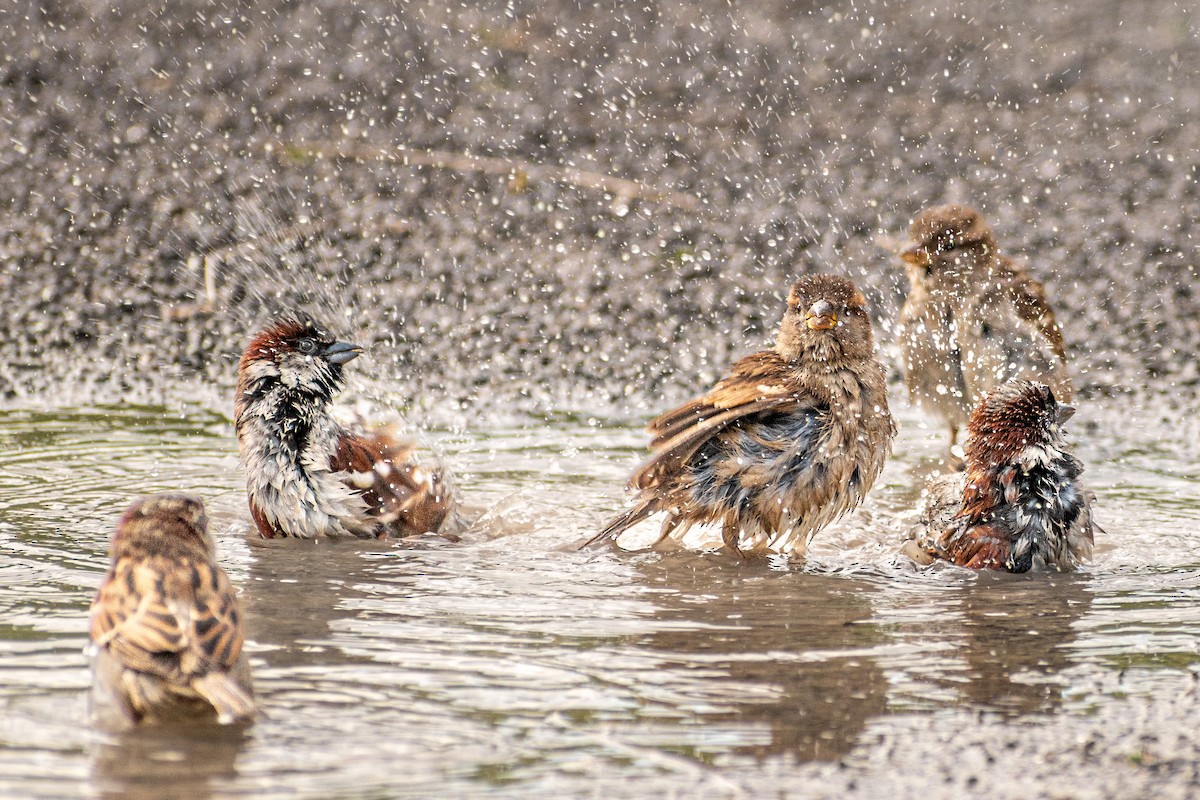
(308, 476)
(789, 441)
(165, 626)
(973, 319)
(1018, 505)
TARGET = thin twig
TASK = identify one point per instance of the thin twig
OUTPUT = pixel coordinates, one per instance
(519, 172)
(210, 281)
(214, 259)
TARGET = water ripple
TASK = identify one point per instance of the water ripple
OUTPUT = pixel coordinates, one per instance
(514, 661)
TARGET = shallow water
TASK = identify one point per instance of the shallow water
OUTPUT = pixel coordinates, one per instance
(511, 664)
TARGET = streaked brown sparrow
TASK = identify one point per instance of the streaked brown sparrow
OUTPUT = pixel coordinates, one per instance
(165, 626)
(1018, 504)
(307, 475)
(973, 319)
(792, 439)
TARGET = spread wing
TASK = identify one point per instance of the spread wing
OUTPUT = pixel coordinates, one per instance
(759, 383)
(937, 509)
(1010, 332)
(941, 502)
(401, 494)
(175, 619)
(1029, 296)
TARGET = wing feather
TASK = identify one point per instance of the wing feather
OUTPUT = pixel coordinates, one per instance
(1029, 295)
(979, 547)
(1009, 331)
(758, 377)
(671, 454)
(759, 383)
(179, 621)
(401, 494)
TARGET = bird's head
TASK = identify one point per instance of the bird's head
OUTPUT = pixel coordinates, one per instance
(297, 355)
(946, 241)
(164, 524)
(1014, 422)
(826, 320)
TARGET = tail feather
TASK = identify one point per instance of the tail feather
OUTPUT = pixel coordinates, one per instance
(622, 522)
(232, 702)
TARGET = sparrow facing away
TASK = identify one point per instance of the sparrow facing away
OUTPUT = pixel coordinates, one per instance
(973, 319)
(307, 476)
(1018, 505)
(165, 626)
(792, 439)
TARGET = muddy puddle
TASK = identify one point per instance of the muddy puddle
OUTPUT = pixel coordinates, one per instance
(514, 665)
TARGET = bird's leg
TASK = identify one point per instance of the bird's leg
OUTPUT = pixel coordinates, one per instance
(668, 527)
(729, 534)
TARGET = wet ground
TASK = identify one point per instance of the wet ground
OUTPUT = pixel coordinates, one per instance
(549, 221)
(514, 665)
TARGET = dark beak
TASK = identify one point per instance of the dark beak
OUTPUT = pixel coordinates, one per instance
(916, 255)
(1064, 412)
(821, 316)
(341, 352)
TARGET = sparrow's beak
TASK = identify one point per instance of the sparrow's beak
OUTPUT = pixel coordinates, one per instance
(821, 316)
(341, 352)
(1064, 412)
(916, 255)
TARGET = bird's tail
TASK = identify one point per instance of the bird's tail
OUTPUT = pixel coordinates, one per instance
(232, 702)
(622, 522)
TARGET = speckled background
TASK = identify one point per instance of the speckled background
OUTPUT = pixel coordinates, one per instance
(770, 139)
(766, 140)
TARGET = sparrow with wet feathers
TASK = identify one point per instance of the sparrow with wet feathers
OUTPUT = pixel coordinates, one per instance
(789, 441)
(165, 625)
(973, 319)
(307, 475)
(1018, 504)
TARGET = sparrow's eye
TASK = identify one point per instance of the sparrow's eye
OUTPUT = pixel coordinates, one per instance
(306, 346)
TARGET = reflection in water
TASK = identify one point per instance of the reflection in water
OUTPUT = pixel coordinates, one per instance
(992, 641)
(296, 587)
(1018, 635)
(780, 653)
(514, 665)
(162, 761)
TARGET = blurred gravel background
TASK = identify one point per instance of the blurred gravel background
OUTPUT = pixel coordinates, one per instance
(768, 139)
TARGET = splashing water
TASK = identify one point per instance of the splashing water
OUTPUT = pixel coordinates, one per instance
(515, 663)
